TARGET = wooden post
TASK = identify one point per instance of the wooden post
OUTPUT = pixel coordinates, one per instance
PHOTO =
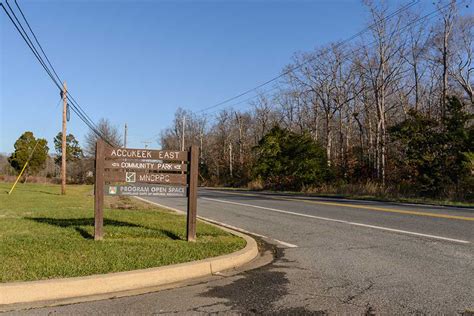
(63, 145)
(192, 192)
(99, 191)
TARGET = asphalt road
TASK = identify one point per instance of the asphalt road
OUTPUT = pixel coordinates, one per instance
(335, 256)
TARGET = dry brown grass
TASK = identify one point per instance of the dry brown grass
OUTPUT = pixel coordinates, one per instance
(30, 179)
(255, 185)
(368, 188)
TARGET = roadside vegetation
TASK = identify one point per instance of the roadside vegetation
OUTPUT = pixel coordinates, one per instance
(45, 235)
(389, 116)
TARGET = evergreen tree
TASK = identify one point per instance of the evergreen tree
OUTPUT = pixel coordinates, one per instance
(73, 150)
(24, 149)
(435, 154)
(458, 134)
(286, 160)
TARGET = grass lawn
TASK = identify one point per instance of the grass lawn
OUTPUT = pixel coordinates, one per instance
(44, 235)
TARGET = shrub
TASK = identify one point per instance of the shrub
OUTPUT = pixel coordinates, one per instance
(287, 160)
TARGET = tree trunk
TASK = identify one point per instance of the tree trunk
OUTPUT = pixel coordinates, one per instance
(417, 92)
(445, 71)
(328, 140)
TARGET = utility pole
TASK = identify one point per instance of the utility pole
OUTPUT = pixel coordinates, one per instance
(200, 146)
(230, 158)
(125, 136)
(241, 157)
(182, 133)
(63, 145)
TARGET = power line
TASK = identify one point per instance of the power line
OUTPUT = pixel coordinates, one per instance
(69, 96)
(32, 47)
(36, 39)
(73, 103)
(76, 107)
(35, 52)
(259, 94)
(347, 57)
(403, 8)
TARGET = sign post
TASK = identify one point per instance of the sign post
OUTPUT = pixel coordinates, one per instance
(99, 191)
(144, 172)
(192, 193)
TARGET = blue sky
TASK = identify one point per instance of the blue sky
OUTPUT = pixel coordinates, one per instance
(136, 62)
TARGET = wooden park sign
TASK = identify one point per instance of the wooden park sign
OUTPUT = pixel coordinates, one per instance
(144, 172)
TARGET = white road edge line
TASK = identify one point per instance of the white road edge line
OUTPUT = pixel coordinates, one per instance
(342, 221)
(283, 243)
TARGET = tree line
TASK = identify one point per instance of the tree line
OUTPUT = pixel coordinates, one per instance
(389, 113)
(35, 150)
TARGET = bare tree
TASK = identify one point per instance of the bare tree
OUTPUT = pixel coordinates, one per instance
(462, 66)
(443, 42)
(383, 66)
(417, 39)
(347, 97)
(107, 131)
(264, 115)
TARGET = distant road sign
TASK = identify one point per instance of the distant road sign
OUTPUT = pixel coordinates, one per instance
(128, 153)
(145, 190)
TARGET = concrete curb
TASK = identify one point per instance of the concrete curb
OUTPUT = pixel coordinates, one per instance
(69, 288)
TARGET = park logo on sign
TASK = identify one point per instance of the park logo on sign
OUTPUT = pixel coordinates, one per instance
(112, 190)
(131, 177)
